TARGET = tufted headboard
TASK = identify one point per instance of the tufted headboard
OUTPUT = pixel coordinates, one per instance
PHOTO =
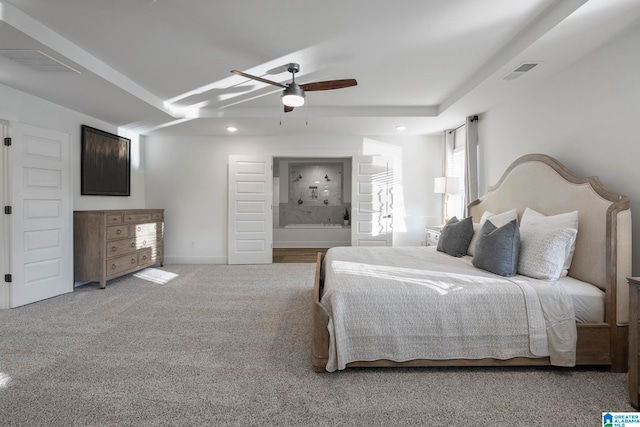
(603, 245)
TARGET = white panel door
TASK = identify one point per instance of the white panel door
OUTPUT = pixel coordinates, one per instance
(250, 210)
(372, 201)
(41, 218)
(5, 243)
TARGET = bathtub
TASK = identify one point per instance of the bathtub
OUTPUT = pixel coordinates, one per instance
(311, 236)
(313, 226)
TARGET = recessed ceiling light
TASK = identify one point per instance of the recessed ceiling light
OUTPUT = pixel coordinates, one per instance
(401, 128)
(232, 129)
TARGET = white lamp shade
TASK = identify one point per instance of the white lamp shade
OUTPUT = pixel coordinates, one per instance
(293, 100)
(446, 185)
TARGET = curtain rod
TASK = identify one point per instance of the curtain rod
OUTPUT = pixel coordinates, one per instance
(473, 119)
(455, 129)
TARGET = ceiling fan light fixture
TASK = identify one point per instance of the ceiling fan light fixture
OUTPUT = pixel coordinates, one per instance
(293, 96)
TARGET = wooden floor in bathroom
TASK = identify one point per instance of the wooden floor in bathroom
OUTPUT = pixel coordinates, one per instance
(304, 255)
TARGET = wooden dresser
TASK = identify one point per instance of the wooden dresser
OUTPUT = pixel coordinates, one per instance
(634, 339)
(111, 243)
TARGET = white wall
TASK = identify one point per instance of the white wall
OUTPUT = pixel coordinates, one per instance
(188, 177)
(585, 116)
(21, 107)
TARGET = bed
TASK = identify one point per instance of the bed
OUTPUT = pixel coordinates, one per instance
(373, 307)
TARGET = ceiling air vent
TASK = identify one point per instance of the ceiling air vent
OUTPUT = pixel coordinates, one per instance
(36, 60)
(523, 68)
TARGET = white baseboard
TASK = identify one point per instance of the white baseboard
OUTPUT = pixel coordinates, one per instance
(283, 244)
(195, 260)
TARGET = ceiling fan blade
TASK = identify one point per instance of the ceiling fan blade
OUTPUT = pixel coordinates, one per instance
(260, 79)
(287, 109)
(329, 84)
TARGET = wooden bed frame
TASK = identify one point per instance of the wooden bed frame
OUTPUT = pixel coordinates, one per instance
(602, 257)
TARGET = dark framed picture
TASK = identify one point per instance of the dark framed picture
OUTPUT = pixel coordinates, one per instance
(105, 165)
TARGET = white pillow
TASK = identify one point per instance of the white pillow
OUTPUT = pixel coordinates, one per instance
(499, 219)
(471, 250)
(496, 219)
(543, 251)
(532, 220)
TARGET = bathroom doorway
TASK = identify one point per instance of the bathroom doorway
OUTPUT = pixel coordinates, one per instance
(312, 202)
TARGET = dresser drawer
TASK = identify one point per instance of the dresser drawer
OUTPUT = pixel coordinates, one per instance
(156, 216)
(114, 219)
(118, 232)
(432, 237)
(147, 241)
(137, 217)
(120, 247)
(150, 229)
(123, 263)
(145, 257)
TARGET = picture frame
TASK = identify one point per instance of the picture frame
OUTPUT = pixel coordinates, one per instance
(105, 165)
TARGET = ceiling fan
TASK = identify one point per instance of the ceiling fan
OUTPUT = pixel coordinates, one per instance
(293, 94)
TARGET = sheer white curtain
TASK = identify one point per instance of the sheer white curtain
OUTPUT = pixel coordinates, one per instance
(461, 160)
(471, 163)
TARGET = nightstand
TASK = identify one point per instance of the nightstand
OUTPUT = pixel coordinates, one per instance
(634, 338)
(433, 235)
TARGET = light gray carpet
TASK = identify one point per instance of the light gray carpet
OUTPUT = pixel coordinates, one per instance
(230, 345)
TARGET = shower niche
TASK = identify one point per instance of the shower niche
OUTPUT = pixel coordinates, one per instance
(315, 185)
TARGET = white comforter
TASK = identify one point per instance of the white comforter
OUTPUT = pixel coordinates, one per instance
(405, 303)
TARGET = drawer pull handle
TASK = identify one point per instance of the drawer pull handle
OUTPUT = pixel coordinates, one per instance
(144, 242)
(144, 257)
(113, 266)
(133, 260)
(133, 244)
(118, 231)
(139, 228)
(113, 248)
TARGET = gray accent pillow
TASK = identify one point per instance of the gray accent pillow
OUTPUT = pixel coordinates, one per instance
(497, 248)
(456, 236)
